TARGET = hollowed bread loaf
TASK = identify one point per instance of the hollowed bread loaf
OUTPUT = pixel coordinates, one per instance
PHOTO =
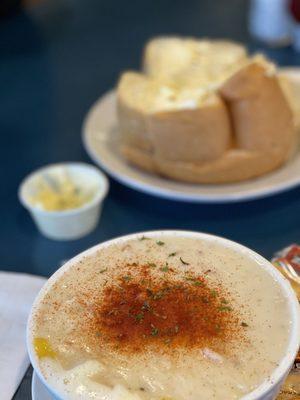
(201, 122)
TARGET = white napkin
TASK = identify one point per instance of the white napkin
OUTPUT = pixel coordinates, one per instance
(17, 292)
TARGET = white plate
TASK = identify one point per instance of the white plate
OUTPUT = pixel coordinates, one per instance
(100, 138)
(39, 390)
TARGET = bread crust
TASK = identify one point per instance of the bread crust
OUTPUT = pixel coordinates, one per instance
(191, 135)
(261, 115)
(138, 157)
(132, 112)
(234, 166)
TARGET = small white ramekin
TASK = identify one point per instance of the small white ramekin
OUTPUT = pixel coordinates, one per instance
(269, 389)
(72, 223)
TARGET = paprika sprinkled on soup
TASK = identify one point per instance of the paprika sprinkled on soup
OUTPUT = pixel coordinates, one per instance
(163, 308)
(158, 318)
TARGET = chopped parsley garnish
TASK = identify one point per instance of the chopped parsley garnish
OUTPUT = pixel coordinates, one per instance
(152, 265)
(103, 270)
(160, 243)
(127, 278)
(172, 254)
(139, 317)
(244, 324)
(224, 301)
(184, 262)
(154, 331)
(194, 281)
(165, 268)
(149, 292)
(225, 308)
(198, 283)
(146, 306)
(189, 278)
(205, 300)
(144, 238)
(213, 293)
(158, 295)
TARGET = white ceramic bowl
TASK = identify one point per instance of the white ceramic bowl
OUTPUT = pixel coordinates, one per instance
(72, 223)
(268, 389)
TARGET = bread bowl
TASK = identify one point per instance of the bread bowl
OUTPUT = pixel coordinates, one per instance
(204, 112)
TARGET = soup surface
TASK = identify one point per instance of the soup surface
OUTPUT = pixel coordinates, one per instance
(161, 318)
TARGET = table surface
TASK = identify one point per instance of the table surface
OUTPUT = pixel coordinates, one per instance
(56, 59)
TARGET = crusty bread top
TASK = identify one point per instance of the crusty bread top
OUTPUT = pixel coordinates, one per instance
(149, 95)
(166, 56)
(183, 73)
(187, 62)
(137, 91)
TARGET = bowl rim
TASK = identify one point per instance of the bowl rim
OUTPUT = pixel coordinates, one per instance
(285, 363)
(99, 196)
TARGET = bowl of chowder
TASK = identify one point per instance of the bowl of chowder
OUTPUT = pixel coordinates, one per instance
(165, 315)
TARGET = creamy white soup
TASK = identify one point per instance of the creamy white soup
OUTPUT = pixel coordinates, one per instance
(161, 318)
